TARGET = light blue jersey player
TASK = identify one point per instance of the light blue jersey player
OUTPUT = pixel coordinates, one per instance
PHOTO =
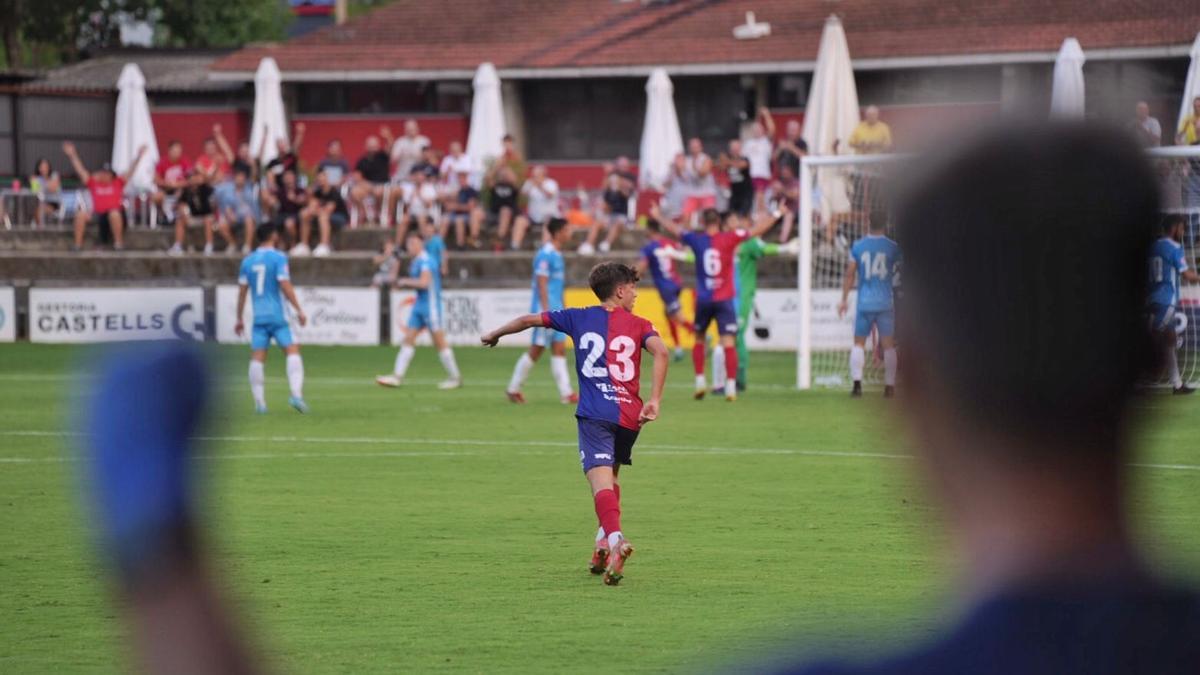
(1168, 267)
(874, 261)
(264, 277)
(549, 280)
(425, 277)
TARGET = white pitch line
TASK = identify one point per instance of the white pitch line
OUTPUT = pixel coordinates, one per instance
(652, 449)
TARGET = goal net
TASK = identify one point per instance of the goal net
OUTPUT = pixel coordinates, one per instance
(847, 191)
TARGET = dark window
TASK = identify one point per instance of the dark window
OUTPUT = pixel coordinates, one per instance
(583, 119)
(711, 108)
(967, 84)
(383, 97)
(788, 91)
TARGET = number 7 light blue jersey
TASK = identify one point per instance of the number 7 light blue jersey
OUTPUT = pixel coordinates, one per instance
(262, 271)
(549, 263)
(877, 258)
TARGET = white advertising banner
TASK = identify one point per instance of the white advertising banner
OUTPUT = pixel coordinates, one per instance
(775, 322)
(336, 316)
(466, 314)
(115, 314)
(8, 314)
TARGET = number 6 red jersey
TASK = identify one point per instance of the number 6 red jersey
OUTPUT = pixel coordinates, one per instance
(608, 360)
(714, 263)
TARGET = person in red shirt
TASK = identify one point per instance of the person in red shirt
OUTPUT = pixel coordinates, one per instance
(212, 163)
(171, 175)
(107, 190)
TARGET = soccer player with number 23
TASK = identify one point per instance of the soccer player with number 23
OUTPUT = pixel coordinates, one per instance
(609, 340)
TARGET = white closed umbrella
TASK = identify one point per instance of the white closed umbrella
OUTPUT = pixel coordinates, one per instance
(485, 141)
(269, 119)
(133, 129)
(661, 138)
(832, 113)
(1191, 86)
(1067, 97)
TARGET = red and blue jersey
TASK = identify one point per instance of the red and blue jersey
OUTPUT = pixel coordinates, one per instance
(659, 254)
(608, 360)
(714, 263)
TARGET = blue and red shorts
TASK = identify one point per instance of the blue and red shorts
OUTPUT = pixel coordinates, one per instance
(721, 311)
(603, 443)
(670, 298)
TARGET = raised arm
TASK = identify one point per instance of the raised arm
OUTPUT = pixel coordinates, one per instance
(298, 137)
(517, 325)
(222, 143)
(763, 223)
(289, 292)
(73, 155)
(768, 121)
(137, 159)
(658, 349)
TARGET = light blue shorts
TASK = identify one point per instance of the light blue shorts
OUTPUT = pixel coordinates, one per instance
(543, 337)
(885, 321)
(425, 316)
(261, 335)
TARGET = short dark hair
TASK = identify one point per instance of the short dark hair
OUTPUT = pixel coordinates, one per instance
(264, 231)
(878, 220)
(710, 217)
(1025, 277)
(1170, 221)
(555, 225)
(653, 225)
(605, 277)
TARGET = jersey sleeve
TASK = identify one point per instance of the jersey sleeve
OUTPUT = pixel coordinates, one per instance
(740, 235)
(541, 266)
(689, 239)
(243, 275)
(561, 320)
(648, 331)
(1180, 259)
(281, 269)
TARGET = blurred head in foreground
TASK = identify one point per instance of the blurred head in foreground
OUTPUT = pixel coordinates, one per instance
(1022, 338)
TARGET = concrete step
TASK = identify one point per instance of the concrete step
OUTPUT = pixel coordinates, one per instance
(363, 239)
(475, 269)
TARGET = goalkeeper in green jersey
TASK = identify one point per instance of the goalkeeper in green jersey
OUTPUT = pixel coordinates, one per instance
(746, 262)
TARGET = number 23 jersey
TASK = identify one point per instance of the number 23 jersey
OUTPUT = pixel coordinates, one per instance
(608, 360)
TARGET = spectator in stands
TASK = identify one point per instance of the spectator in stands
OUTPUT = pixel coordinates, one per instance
(242, 159)
(334, 163)
(463, 212)
(238, 204)
(406, 150)
(328, 209)
(787, 191)
(287, 156)
(737, 167)
(196, 202)
(419, 197)
(454, 163)
(624, 170)
(758, 151)
(616, 194)
(676, 188)
(511, 157)
(502, 202)
(170, 176)
(370, 178)
(286, 203)
(212, 163)
(791, 148)
(108, 198)
(47, 185)
(541, 194)
(1146, 129)
(702, 184)
(871, 136)
(1189, 127)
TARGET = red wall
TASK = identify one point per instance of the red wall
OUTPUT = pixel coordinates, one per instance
(352, 131)
(192, 126)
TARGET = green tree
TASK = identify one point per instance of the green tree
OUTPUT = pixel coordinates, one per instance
(218, 23)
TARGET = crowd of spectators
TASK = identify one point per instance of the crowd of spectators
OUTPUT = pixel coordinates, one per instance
(401, 182)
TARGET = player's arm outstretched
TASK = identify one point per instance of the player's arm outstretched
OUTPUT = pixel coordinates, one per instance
(658, 349)
(763, 223)
(848, 279)
(289, 292)
(523, 322)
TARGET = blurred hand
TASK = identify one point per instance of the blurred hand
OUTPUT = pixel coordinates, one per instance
(68, 148)
(842, 307)
(300, 127)
(302, 318)
(217, 129)
(489, 340)
(649, 412)
(239, 328)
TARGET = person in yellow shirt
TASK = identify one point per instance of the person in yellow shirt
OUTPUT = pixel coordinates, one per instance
(871, 135)
(1189, 128)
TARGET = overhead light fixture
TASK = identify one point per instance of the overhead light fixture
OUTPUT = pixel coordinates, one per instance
(752, 29)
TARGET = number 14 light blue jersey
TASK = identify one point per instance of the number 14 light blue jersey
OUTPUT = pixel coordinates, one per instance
(262, 271)
(877, 258)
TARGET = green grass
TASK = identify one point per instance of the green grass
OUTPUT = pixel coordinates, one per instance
(418, 530)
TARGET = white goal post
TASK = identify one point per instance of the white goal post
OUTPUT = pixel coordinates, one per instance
(839, 194)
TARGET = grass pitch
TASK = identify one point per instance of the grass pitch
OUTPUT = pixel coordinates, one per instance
(417, 530)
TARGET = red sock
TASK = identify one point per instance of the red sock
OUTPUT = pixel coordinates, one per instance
(674, 331)
(698, 356)
(608, 510)
(731, 363)
(617, 492)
